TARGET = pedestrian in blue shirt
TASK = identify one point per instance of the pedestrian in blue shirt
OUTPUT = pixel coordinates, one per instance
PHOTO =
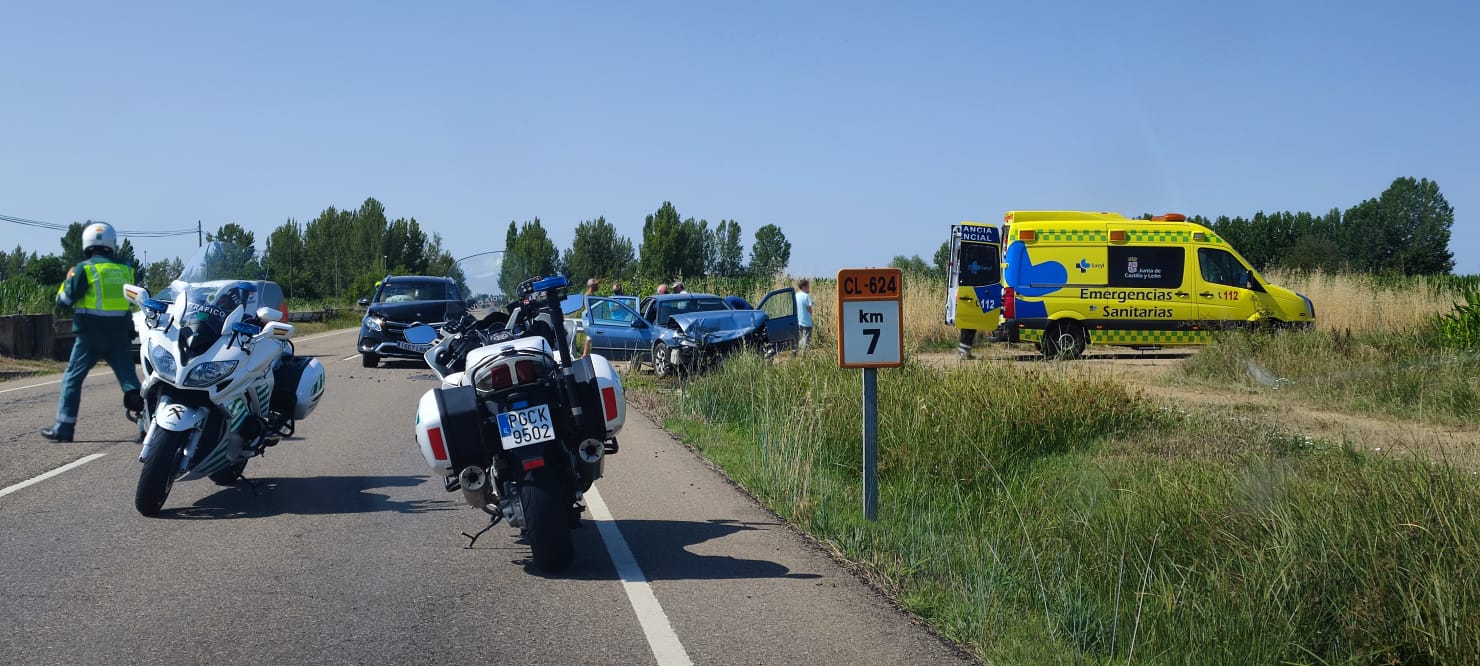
(804, 314)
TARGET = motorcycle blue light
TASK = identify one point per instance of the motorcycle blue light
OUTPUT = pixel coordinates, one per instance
(157, 306)
(245, 328)
(556, 282)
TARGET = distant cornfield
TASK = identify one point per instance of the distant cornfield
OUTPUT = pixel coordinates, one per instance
(24, 296)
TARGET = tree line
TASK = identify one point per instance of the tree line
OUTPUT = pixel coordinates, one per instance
(671, 248)
(342, 253)
(1403, 231)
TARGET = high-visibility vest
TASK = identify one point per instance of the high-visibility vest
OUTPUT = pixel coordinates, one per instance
(104, 297)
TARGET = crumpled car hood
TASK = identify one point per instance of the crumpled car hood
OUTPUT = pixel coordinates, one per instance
(720, 325)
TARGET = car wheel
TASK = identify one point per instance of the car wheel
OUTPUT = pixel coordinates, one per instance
(662, 367)
(369, 360)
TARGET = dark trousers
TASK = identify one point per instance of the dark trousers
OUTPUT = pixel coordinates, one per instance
(86, 352)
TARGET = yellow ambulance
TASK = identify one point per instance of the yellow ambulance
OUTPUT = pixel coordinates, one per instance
(1070, 278)
(974, 287)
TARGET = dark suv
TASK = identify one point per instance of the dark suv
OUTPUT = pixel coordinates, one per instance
(399, 302)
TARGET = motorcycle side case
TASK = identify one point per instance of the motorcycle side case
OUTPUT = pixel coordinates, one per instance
(612, 400)
(297, 386)
(448, 430)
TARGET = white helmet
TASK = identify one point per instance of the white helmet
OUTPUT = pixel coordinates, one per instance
(99, 234)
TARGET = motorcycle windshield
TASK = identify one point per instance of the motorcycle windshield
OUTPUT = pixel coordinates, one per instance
(219, 260)
(208, 305)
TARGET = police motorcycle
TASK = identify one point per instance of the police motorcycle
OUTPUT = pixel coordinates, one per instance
(222, 384)
(518, 425)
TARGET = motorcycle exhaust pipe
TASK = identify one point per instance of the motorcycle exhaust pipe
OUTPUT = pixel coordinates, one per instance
(476, 490)
(591, 451)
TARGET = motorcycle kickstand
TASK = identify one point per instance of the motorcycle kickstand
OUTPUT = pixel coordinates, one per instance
(473, 538)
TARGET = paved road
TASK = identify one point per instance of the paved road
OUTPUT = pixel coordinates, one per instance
(345, 550)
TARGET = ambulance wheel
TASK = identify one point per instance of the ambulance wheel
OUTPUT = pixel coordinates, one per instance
(1063, 339)
(369, 360)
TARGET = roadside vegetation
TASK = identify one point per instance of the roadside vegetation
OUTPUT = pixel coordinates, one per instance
(1037, 517)
(1406, 348)
(1038, 513)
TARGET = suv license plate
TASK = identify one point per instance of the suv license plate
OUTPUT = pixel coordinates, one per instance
(415, 348)
(523, 427)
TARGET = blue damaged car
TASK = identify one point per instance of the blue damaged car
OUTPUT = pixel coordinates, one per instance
(687, 332)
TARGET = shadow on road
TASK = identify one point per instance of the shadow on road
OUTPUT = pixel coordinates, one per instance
(318, 495)
(661, 550)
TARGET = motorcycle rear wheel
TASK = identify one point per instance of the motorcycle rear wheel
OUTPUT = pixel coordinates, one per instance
(159, 472)
(547, 520)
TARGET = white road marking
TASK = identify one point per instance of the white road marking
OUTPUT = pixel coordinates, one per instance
(350, 358)
(38, 479)
(655, 625)
(22, 388)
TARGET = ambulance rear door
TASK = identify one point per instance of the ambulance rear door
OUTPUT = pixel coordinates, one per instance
(976, 277)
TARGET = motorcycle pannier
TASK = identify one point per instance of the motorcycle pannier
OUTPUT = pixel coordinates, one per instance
(449, 432)
(297, 385)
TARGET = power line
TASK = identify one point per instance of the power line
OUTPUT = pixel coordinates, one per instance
(131, 233)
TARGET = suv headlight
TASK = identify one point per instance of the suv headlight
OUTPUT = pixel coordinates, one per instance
(206, 374)
(164, 363)
(374, 322)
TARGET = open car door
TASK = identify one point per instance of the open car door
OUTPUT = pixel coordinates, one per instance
(615, 330)
(780, 307)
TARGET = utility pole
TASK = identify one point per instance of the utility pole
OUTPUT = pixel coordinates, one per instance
(200, 238)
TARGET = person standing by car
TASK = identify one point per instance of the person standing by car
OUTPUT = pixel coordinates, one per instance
(804, 314)
(591, 286)
(94, 289)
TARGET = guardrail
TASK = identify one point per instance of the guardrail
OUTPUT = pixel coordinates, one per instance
(35, 336)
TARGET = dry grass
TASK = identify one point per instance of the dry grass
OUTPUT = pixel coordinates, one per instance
(1366, 304)
(924, 312)
(1344, 302)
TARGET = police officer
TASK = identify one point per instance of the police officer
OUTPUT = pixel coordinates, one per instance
(94, 289)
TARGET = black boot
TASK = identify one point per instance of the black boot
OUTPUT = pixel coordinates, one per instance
(55, 434)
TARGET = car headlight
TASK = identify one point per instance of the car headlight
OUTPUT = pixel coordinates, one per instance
(206, 374)
(374, 322)
(164, 363)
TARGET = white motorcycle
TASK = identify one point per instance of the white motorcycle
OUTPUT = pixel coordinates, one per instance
(518, 425)
(221, 382)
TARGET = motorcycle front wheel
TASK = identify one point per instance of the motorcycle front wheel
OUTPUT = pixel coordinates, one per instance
(160, 469)
(547, 520)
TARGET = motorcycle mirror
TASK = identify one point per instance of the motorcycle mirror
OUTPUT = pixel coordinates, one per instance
(135, 294)
(363, 302)
(420, 334)
(269, 314)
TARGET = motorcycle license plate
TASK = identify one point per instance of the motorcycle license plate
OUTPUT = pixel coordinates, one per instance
(523, 427)
(415, 348)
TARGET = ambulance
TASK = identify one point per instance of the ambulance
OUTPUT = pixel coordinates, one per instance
(974, 289)
(1073, 278)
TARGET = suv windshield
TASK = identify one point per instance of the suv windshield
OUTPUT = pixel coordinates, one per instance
(403, 292)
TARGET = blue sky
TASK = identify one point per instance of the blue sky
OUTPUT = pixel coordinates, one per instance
(864, 130)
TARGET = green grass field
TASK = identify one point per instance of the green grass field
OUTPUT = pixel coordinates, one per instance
(1036, 517)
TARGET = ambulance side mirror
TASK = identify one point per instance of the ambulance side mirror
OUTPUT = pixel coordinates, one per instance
(1250, 283)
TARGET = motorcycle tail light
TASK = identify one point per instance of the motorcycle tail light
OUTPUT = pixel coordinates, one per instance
(493, 378)
(524, 371)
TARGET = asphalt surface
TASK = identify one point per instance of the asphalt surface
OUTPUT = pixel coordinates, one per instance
(344, 549)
